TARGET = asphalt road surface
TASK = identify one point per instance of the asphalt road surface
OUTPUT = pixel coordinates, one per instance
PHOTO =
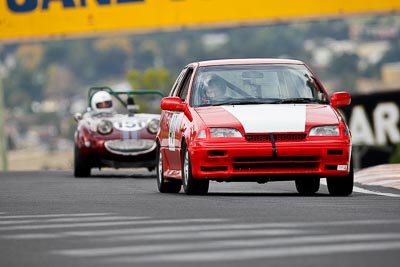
(118, 218)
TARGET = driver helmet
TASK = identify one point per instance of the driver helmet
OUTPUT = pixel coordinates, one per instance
(102, 102)
(215, 87)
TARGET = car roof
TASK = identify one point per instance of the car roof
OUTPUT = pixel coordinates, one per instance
(249, 61)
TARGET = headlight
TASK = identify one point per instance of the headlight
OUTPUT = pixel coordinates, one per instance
(224, 132)
(202, 134)
(153, 126)
(105, 127)
(332, 130)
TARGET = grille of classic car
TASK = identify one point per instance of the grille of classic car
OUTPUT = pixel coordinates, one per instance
(277, 136)
(130, 146)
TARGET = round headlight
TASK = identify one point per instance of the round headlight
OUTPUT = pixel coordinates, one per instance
(105, 127)
(153, 126)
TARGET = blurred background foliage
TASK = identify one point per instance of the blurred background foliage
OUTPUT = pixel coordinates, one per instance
(67, 67)
(152, 78)
(44, 81)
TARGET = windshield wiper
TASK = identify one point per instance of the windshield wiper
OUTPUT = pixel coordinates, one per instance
(242, 102)
(297, 100)
(269, 101)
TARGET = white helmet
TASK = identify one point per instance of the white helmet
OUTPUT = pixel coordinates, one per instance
(102, 102)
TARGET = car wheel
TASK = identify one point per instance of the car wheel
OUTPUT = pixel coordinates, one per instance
(341, 185)
(164, 185)
(307, 186)
(192, 186)
(81, 165)
(150, 169)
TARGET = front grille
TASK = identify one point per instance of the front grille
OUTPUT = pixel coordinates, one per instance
(267, 163)
(130, 146)
(278, 137)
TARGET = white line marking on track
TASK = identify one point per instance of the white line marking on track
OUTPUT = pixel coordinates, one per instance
(70, 225)
(222, 244)
(52, 215)
(138, 221)
(384, 182)
(75, 219)
(206, 235)
(365, 191)
(114, 233)
(254, 253)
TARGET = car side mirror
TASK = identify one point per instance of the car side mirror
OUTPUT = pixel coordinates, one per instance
(172, 103)
(340, 99)
(176, 104)
(78, 116)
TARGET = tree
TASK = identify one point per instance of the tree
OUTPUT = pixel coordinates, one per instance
(152, 78)
(112, 56)
(344, 67)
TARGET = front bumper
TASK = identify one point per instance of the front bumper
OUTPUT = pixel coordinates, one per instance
(241, 161)
(130, 147)
(121, 153)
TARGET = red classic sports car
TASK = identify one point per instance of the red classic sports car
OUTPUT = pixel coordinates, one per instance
(113, 134)
(255, 120)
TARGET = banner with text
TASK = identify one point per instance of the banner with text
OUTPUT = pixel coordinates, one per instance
(374, 122)
(46, 18)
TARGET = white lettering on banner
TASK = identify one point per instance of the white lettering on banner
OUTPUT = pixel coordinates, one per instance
(385, 118)
(360, 129)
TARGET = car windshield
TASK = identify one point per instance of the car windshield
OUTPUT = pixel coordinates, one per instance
(255, 84)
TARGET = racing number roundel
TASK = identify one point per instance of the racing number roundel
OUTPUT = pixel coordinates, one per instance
(172, 131)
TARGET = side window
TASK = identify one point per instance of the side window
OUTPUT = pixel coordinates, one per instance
(177, 82)
(184, 88)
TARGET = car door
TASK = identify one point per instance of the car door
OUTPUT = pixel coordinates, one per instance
(175, 121)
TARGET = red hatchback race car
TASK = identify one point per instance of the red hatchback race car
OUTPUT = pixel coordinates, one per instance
(255, 120)
(112, 133)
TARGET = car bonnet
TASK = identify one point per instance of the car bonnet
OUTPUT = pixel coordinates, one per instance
(269, 117)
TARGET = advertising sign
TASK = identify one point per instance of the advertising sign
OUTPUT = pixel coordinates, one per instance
(374, 122)
(46, 18)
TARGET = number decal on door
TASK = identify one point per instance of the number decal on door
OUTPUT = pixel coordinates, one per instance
(172, 131)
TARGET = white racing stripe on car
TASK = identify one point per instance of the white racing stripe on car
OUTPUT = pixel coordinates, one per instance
(270, 118)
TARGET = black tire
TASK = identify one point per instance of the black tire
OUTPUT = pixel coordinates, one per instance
(192, 186)
(165, 185)
(341, 185)
(307, 186)
(152, 168)
(81, 165)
